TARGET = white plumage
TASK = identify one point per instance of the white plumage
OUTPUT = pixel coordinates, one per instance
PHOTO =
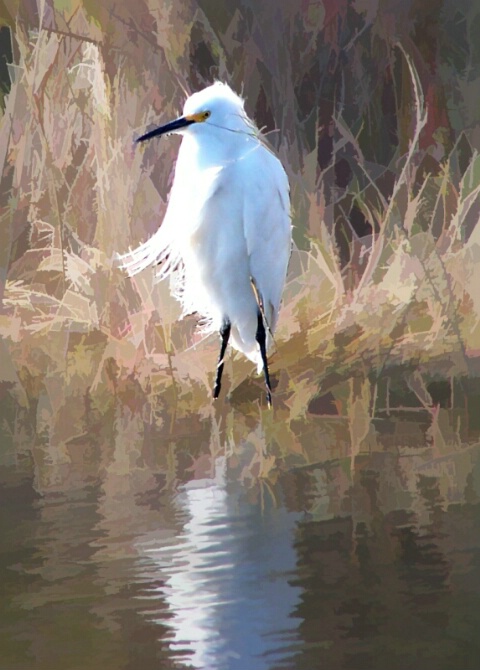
(227, 226)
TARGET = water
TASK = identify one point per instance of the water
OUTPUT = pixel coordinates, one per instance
(322, 568)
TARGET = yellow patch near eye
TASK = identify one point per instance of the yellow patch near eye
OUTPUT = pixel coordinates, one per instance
(198, 117)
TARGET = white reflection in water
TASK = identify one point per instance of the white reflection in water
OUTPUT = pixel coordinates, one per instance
(226, 582)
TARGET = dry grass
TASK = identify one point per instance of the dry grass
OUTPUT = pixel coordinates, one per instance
(89, 354)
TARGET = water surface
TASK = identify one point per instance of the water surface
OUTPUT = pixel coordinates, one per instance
(321, 568)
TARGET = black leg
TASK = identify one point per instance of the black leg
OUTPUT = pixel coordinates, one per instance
(261, 338)
(224, 334)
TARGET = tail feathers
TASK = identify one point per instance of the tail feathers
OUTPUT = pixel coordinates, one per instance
(155, 251)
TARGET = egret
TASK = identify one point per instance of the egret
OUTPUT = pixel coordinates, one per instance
(226, 234)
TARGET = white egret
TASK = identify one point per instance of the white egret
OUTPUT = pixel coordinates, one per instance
(226, 234)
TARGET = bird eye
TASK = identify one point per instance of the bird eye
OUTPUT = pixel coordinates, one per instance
(206, 115)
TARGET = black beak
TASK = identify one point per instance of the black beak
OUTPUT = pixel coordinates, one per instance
(182, 122)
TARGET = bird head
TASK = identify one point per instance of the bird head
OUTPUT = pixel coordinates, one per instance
(214, 109)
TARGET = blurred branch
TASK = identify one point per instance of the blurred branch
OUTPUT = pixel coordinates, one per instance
(74, 36)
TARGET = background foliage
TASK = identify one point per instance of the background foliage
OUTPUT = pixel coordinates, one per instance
(373, 109)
